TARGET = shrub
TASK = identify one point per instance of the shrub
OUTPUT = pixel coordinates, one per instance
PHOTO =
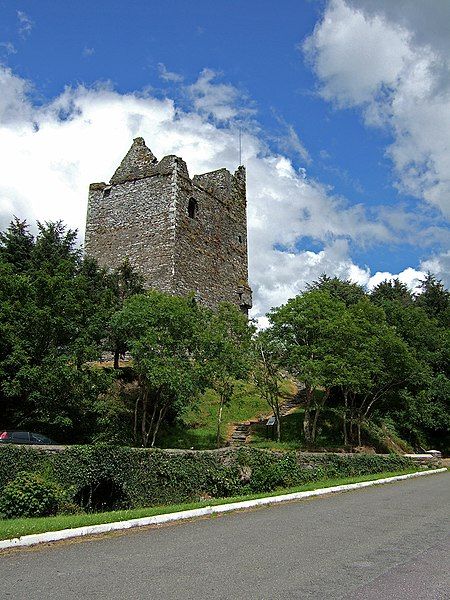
(105, 477)
(30, 495)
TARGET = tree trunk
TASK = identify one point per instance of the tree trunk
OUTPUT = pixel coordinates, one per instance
(307, 418)
(317, 414)
(144, 422)
(306, 426)
(116, 358)
(278, 422)
(158, 423)
(150, 427)
(315, 421)
(136, 407)
(219, 421)
(345, 418)
(314, 425)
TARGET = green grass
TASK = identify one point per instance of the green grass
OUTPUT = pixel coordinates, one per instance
(199, 425)
(329, 435)
(11, 528)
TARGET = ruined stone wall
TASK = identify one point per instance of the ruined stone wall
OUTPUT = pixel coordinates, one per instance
(135, 221)
(211, 247)
(143, 215)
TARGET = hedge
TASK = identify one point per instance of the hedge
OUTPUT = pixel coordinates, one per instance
(104, 477)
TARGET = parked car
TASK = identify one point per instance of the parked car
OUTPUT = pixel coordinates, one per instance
(24, 437)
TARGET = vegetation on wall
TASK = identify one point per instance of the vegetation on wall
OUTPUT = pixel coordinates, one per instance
(102, 477)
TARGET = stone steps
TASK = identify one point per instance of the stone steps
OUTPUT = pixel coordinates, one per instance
(241, 431)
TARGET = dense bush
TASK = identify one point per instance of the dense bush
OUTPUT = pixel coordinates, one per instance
(30, 495)
(103, 477)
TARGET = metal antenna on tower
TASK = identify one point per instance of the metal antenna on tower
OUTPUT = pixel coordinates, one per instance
(240, 146)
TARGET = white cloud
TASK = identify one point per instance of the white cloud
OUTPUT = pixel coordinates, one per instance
(9, 47)
(87, 52)
(15, 108)
(289, 141)
(439, 265)
(166, 75)
(354, 56)
(410, 277)
(384, 58)
(25, 23)
(221, 101)
(51, 153)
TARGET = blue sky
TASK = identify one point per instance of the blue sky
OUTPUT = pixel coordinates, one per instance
(322, 91)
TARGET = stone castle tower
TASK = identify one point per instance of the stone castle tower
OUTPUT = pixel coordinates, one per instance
(183, 235)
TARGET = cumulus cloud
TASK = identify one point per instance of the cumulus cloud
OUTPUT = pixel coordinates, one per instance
(355, 56)
(440, 266)
(15, 108)
(387, 59)
(410, 277)
(221, 101)
(391, 60)
(53, 151)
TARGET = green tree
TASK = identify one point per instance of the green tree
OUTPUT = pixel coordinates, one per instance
(313, 331)
(340, 289)
(164, 336)
(391, 290)
(16, 245)
(125, 282)
(267, 373)
(384, 361)
(435, 299)
(424, 417)
(359, 361)
(226, 347)
(54, 309)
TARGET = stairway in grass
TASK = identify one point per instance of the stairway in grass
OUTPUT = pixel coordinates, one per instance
(239, 432)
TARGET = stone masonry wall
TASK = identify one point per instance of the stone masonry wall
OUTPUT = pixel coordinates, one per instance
(134, 221)
(143, 215)
(211, 248)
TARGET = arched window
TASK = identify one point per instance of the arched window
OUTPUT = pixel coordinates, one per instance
(192, 208)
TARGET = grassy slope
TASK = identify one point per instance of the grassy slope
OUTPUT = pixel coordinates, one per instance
(199, 426)
(11, 528)
(292, 433)
(381, 438)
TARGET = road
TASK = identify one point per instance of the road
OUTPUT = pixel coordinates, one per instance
(389, 541)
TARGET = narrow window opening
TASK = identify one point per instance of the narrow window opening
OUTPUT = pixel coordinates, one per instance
(192, 208)
(240, 239)
(244, 309)
(106, 192)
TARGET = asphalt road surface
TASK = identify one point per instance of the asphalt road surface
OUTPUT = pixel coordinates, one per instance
(389, 541)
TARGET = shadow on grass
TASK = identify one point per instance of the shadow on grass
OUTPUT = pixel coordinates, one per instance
(292, 438)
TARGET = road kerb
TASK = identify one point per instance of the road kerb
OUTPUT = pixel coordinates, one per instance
(63, 534)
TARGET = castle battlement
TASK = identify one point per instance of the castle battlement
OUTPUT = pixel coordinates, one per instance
(183, 235)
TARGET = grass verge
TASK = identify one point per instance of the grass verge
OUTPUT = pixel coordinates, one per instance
(12, 528)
